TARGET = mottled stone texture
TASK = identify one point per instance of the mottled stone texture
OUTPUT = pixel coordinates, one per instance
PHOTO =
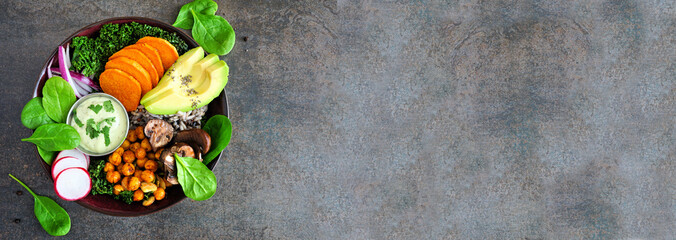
(401, 120)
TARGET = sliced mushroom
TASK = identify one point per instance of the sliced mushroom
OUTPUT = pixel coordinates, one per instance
(167, 158)
(159, 133)
(198, 139)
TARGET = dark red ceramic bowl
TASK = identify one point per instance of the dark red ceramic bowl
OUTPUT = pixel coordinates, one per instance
(104, 203)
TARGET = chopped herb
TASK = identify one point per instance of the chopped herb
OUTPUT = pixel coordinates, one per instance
(77, 120)
(96, 108)
(108, 106)
(106, 135)
(109, 120)
(91, 129)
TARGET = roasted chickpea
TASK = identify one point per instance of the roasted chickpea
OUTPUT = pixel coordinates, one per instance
(134, 183)
(150, 155)
(127, 169)
(138, 195)
(131, 136)
(115, 159)
(158, 153)
(117, 189)
(138, 173)
(128, 156)
(147, 176)
(135, 146)
(151, 165)
(125, 145)
(139, 133)
(149, 201)
(113, 176)
(148, 187)
(140, 153)
(119, 151)
(159, 194)
(109, 167)
(141, 162)
(145, 144)
(125, 183)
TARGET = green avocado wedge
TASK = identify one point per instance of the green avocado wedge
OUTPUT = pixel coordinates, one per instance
(192, 82)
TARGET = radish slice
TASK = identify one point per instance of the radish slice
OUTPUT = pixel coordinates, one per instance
(67, 162)
(73, 184)
(73, 153)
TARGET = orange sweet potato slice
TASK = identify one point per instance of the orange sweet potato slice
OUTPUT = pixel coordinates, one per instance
(134, 69)
(140, 58)
(153, 55)
(121, 86)
(167, 51)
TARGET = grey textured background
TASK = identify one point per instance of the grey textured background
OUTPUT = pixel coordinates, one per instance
(401, 120)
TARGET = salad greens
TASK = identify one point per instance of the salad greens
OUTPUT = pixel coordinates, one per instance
(47, 156)
(53, 218)
(220, 130)
(55, 137)
(91, 54)
(57, 98)
(33, 114)
(99, 183)
(197, 181)
(185, 19)
(212, 32)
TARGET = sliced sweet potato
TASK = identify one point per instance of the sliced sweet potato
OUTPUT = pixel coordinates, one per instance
(168, 52)
(134, 69)
(121, 86)
(140, 58)
(153, 55)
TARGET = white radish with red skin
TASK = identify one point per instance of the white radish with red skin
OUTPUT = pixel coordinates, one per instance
(73, 153)
(67, 162)
(73, 184)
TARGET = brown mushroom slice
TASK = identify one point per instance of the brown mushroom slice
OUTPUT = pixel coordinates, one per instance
(159, 133)
(167, 158)
(198, 139)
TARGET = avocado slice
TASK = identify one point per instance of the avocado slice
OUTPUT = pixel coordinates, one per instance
(192, 82)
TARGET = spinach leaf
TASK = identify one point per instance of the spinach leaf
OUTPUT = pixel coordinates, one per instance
(33, 114)
(53, 218)
(185, 20)
(48, 156)
(57, 98)
(197, 181)
(213, 33)
(220, 130)
(55, 137)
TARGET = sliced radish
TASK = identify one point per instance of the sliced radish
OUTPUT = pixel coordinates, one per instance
(73, 153)
(67, 162)
(73, 184)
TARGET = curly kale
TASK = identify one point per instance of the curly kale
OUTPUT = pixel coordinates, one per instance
(99, 183)
(91, 54)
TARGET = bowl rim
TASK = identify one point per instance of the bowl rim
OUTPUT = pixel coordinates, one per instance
(43, 72)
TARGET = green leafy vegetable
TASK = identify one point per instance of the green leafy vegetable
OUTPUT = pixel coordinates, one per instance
(185, 19)
(220, 130)
(106, 135)
(126, 196)
(197, 181)
(96, 108)
(108, 106)
(47, 156)
(77, 120)
(91, 54)
(92, 129)
(53, 218)
(57, 98)
(55, 137)
(213, 33)
(33, 114)
(99, 183)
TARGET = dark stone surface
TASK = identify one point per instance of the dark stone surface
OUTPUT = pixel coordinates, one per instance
(401, 119)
